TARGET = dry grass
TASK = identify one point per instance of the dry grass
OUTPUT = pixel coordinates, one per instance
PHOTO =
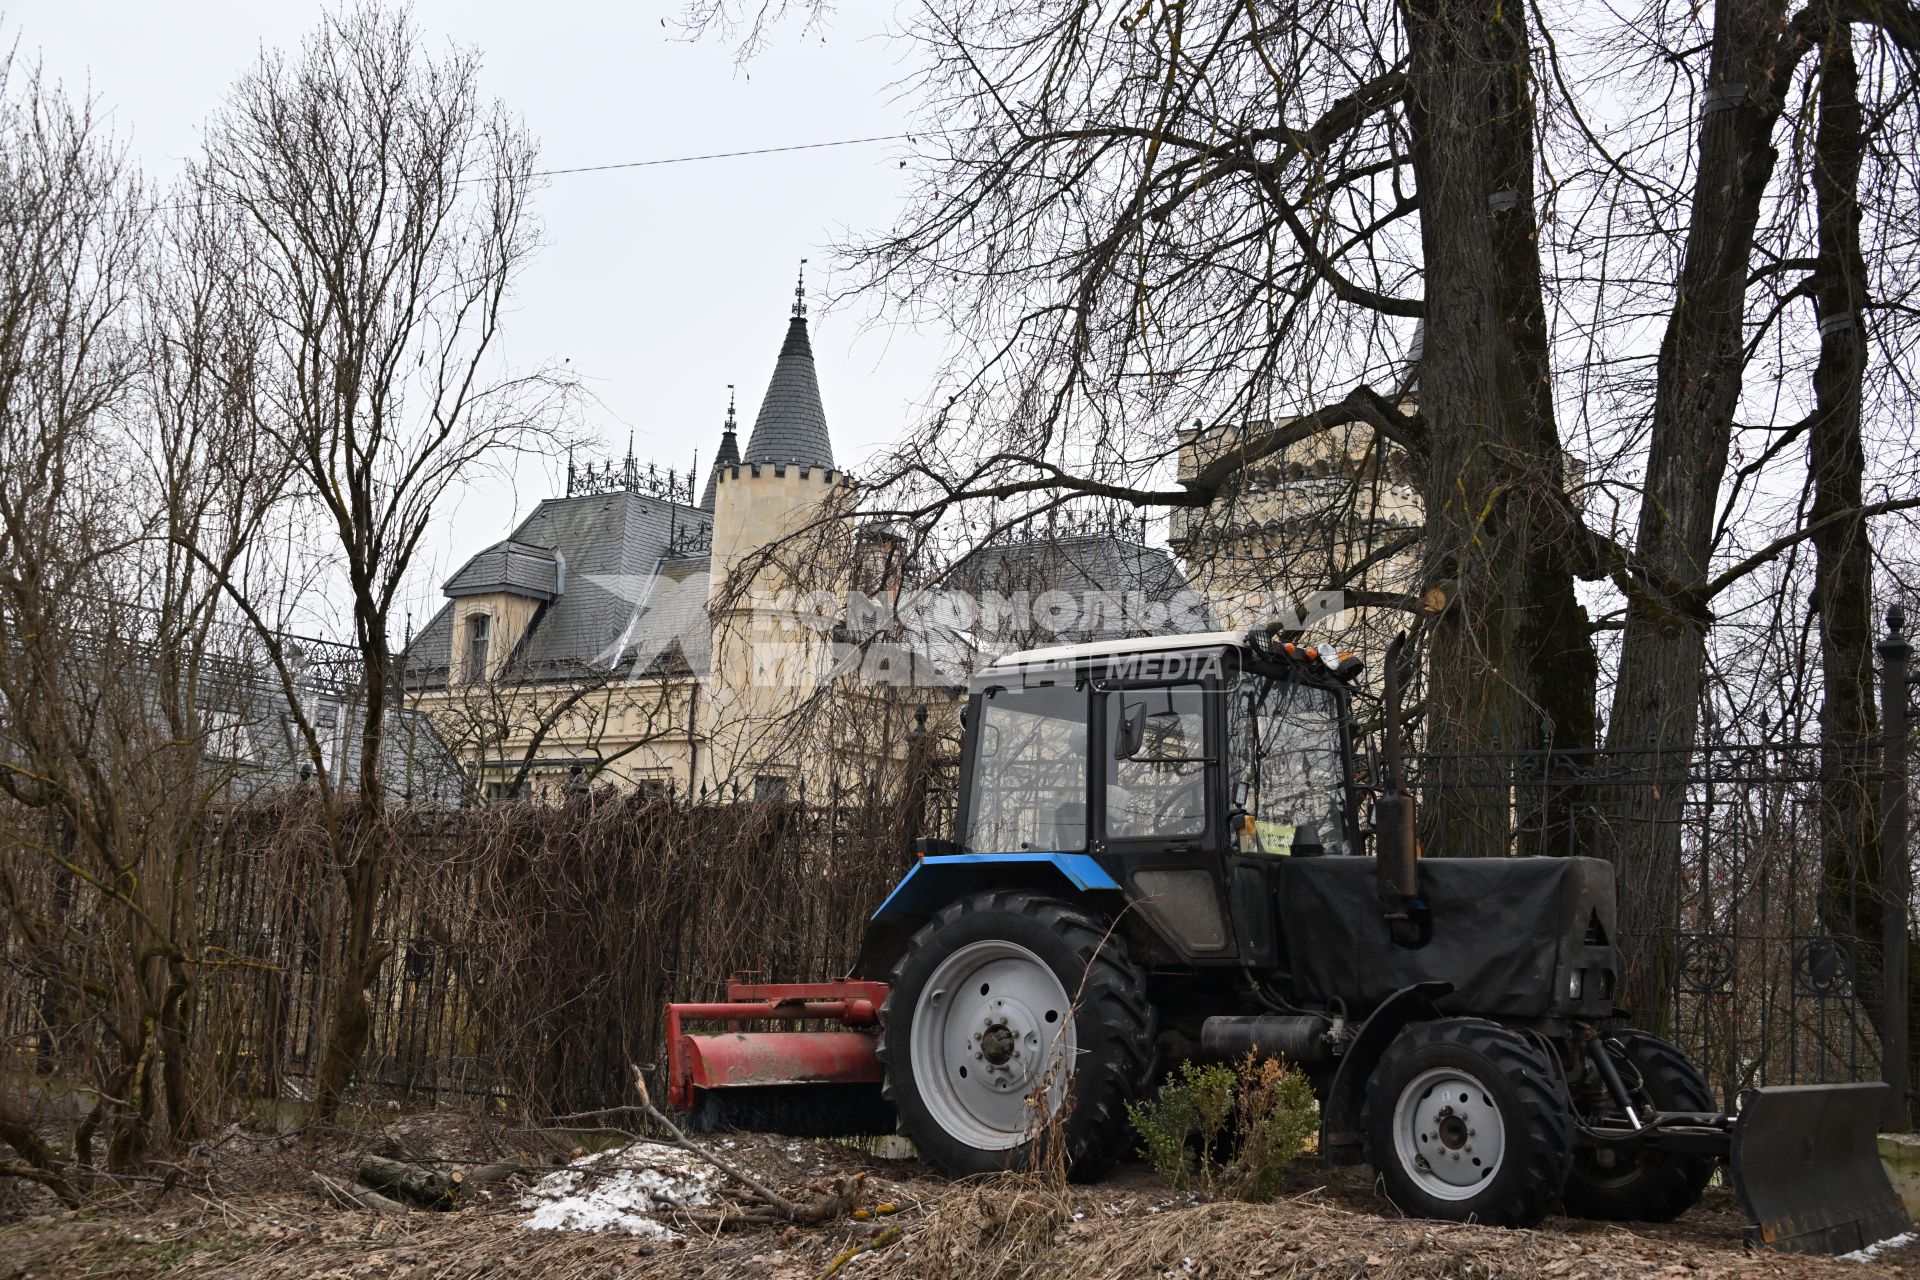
(250, 1213)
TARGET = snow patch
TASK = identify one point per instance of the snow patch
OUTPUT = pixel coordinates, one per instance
(617, 1190)
(1879, 1247)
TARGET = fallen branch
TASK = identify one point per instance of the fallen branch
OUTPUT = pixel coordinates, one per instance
(40, 1166)
(595, 1114)
(879, 1240)
(50, 1179)
(348, 1197)
(838, 1201)
(488, 1174)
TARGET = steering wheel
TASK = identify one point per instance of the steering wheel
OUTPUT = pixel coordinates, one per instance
(1181, 800)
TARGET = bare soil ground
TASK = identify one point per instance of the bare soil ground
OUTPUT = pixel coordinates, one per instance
(250, 1207)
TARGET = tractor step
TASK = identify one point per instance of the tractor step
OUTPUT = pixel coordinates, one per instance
(805, 1083)
(1806, 1167)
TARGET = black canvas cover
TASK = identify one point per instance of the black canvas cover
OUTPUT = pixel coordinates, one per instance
(1510, 934)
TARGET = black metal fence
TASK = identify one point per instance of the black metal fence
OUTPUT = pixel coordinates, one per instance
(1775, 965)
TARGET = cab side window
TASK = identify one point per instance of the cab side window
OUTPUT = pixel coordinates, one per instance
(1030, 771)
(1157, 756)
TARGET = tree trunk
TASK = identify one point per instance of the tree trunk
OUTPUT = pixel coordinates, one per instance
(350, 1027)
(1509, 662)
(177, 1056)
(1843, 564)
(350, 1023)
(1553, 634)
(1657, 697)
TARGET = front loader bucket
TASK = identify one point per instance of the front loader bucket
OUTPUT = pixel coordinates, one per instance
(1806, 1166)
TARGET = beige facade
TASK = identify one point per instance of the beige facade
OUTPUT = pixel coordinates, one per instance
(1336, 512)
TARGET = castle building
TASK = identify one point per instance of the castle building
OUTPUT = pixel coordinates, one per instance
(599, 639)
(1318, 534)
(626, 633)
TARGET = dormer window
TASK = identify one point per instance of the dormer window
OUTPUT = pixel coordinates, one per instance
(479, 637)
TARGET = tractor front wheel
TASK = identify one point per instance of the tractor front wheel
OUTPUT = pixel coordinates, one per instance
(1011, 1018)
(1465, 1120)
(1652, 1186)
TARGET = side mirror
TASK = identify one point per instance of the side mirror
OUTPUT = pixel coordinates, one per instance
(1131, 732)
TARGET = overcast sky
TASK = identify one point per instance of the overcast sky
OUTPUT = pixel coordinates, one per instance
(661, 285)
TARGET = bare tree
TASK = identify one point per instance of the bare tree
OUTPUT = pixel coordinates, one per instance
(1234, 213)
(122, 376)
(69, 243)
(387, 205)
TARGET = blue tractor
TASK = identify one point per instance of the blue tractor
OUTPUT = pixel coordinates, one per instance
(1158, 858)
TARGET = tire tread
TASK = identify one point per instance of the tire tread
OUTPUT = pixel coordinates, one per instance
(1543, 1142)
(1113, 986)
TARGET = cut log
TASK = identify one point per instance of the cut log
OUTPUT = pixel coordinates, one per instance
(488, 1174)
(428, 1188)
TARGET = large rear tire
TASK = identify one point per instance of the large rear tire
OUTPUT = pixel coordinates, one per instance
(1006, 998)
(1654, 1186)
(1466, 1121)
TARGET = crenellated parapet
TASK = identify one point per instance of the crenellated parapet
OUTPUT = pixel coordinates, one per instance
(782, 470)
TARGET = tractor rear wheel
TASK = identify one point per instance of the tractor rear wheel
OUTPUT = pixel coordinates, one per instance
(1006, 1008)
(1653, 1186)
(1465, 1120)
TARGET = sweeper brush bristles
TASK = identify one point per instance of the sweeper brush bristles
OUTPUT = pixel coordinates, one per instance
(797, 1111)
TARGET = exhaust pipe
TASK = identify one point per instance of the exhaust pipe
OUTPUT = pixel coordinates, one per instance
(1396, 874)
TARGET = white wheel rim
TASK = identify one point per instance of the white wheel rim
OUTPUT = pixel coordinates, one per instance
(991, 1024)
(1448, 1133)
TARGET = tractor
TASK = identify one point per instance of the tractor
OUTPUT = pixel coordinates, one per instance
(1158, 857)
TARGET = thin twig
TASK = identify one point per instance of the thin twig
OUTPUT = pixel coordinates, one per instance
(358, 1197)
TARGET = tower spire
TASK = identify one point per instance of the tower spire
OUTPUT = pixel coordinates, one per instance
(727, 456)
(800, 293)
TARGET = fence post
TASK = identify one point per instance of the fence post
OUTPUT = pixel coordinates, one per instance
(1895, 873)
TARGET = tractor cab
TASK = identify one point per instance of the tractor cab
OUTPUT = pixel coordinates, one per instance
(1171, 768)
(1215, 746)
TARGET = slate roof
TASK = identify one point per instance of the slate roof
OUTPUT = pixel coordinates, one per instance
(1114, 589)
(515, 567)
(792, 426)
(1110, 589)
(626, 597)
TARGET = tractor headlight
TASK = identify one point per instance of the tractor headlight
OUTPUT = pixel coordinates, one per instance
(1575, 984)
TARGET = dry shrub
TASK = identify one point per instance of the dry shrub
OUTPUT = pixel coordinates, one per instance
(526, 949)
(589, 918)
(1260, 1109)
(995, 1228)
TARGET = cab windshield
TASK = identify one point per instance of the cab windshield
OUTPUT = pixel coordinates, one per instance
(1290, 766)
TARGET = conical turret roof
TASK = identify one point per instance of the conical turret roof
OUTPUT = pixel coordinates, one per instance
(728, 456)
(792, 426)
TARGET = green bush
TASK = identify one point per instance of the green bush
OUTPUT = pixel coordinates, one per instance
(1259, 1110)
